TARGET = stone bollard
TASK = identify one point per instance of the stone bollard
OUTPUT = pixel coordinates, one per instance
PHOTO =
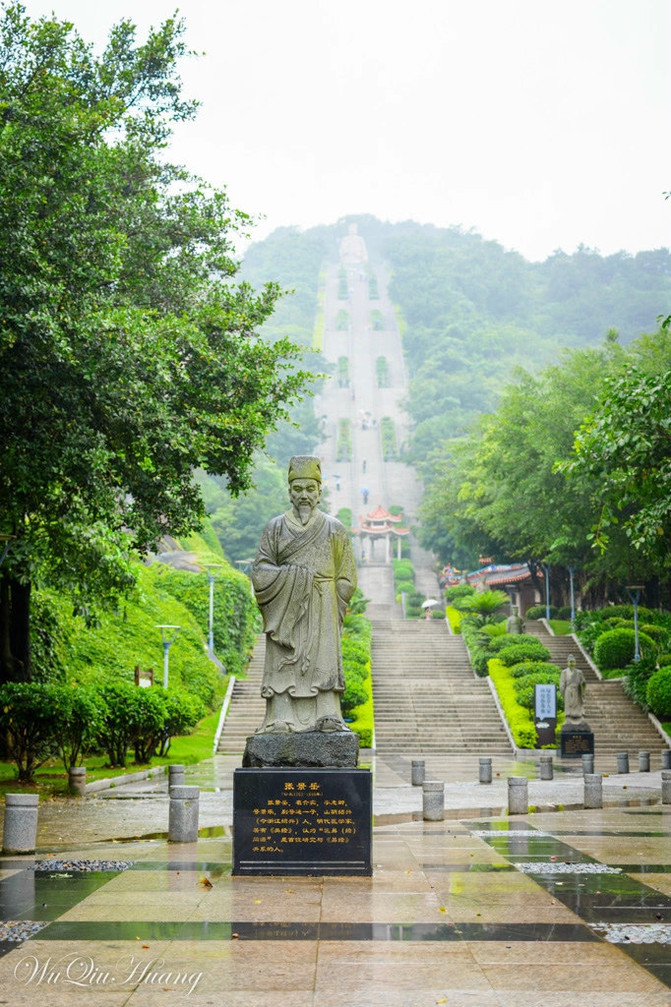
(77, 780)
(623, 762)
(485, 769)
(518, 795)
(593, 790)
(644, 762)
(433, 800)
(176, 775)
(546, 768)
(417, 777)
(666, 758)
(587, 764)
(666, 786)
(20, 829)
(183, 815)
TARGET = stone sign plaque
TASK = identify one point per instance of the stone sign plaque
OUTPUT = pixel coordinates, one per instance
(575, 744)
(302, 821)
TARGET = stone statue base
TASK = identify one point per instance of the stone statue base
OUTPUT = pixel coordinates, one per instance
(339, 749)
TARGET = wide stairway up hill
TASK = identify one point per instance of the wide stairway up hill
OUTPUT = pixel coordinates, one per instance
(427, 699)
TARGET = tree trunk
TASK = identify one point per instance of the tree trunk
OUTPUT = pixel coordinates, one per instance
(15, 662)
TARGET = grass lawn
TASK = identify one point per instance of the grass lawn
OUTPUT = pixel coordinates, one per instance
(560, 627)
(52, 780)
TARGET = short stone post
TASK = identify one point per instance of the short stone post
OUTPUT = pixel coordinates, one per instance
(433, 800)
(587, 764)
(417, 772)
(183, 815)
(666, 758)
(623, 762)
(546, 768)
(77, 780)
(485, 769)
(20, 829)
(666, 786)
(518, 795)
(593, 790)
(644, 762)
(175, 775)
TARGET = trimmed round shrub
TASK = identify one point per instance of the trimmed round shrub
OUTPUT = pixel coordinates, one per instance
(497, 643)
(615, 648)
(658, 693)
(405, 587)
(564, 612)
(539, 612)
(527, 651)
(664, 660)
(533, 668)
(458, 591)
(656, 633)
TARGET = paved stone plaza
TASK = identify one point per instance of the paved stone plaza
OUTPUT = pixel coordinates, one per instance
(553, 907)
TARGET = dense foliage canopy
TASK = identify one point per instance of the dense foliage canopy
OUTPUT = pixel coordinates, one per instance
(129, 355)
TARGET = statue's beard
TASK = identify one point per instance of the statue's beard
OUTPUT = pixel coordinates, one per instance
(304, 512)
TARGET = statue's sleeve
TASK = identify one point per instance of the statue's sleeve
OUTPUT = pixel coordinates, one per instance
(282, 591)
(346, 579)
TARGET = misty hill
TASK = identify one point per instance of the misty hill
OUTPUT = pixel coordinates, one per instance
(470, 311)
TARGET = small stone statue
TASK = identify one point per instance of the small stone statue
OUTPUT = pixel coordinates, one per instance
(515, 622)
(572, 688)
(304, 575)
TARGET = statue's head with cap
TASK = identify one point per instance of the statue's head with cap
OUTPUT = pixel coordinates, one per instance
(305, 485)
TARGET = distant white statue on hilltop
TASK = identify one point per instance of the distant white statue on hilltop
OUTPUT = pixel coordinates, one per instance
(353, 251)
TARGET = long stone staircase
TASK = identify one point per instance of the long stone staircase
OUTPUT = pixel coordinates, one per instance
(619, 725)
(427, 700)
(246, 709)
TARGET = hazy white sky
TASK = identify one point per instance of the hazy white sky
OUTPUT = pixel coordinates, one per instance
(541, 123)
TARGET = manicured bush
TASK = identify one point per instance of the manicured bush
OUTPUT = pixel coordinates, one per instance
(664, 660)
(511, 639)
(117, 728)
(356, 647)
(183, 711)
(563, 612)
(519, 718)
(27, 723)
(388, 438)
(526, 651)
(615, 648)
(534, 668)
(636, 680)
(77, 712)
(539, 612)
(149, 716)
(658, 693)
(404, 587)
(403, 569)
(457, 591)
(656, 633)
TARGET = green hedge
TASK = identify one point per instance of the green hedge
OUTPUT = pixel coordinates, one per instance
(526, 651)
(616, 647)
(658, 693)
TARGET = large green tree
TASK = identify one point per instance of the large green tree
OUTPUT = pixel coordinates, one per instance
(625, 447)
(129, 353)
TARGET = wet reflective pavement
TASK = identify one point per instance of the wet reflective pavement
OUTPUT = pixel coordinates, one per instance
(552, 908)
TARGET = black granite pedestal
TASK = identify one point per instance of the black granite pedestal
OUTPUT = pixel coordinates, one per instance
(289, 821)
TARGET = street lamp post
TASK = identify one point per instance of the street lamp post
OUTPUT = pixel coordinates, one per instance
(571, 571)
(546, 568)
(634, 592)
(210, 636)
(167, 643)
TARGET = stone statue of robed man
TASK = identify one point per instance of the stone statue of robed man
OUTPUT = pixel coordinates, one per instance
(304, 575)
